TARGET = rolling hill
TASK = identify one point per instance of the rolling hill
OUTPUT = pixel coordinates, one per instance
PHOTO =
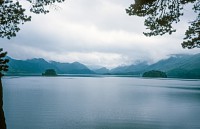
(39, 65)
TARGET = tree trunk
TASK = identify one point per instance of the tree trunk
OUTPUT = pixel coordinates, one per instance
(2, 117)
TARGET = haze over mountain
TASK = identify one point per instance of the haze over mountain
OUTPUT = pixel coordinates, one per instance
(131, 69)
(183, 66)
(102, 70)
(180, 66)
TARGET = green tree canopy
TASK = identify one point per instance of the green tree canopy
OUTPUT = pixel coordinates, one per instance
(12, 14)
(161, 14)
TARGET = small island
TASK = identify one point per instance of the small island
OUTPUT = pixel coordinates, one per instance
(155, 73)
(49, 72)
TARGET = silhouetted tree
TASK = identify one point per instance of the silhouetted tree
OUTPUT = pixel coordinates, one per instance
(12, 14)
(155, 73)
(161, 14)
(49, 72)
(3, 68)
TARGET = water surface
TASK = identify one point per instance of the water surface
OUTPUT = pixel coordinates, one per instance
(101, 103)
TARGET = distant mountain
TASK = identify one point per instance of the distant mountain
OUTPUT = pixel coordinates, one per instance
(135, 69)
(179, 66)
(102, 70)
(177, 61)
(28, 66)
(71, 68)
(38, 66)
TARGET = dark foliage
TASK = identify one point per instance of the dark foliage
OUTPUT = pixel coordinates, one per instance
(161, 14)
(49, 72)
(3, 62)
(12, 14)
(155, 73)
(38, 6)
(192, 38)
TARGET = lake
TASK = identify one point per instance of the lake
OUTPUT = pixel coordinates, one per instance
(101, 103)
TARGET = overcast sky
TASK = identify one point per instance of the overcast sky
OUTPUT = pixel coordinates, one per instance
(93, 32)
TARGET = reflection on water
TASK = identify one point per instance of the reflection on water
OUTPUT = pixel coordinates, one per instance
(101, 103)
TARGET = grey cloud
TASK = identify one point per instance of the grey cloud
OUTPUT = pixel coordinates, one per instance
(92, 31)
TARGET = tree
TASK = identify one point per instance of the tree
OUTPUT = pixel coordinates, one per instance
(12, 14)
(49, 72)
(3, 68)
(161, 14)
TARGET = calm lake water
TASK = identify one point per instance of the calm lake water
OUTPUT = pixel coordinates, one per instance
(101, 103)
